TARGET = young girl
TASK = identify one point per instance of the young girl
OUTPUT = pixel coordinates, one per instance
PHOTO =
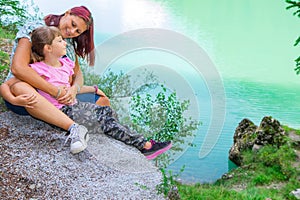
(48, 47)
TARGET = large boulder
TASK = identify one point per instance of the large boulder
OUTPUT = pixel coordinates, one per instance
(244, 137)
(270, 132)
(35, 164)
(248, 136)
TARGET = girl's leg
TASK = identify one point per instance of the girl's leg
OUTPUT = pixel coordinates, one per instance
(47, 112)
(43, 109)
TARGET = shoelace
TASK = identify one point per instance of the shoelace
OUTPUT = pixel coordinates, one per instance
(73, 134)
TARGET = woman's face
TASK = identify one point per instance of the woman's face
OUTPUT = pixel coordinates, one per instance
(71, 25)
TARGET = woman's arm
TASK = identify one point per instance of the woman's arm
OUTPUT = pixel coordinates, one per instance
(20, 68)
(91, 89)
(87, 89)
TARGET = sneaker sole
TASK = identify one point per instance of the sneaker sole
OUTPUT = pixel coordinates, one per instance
(157, 153)
(75, 151)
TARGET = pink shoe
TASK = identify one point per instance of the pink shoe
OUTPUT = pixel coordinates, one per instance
(156, 149)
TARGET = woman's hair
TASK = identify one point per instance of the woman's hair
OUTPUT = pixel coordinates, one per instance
(39, 38)
(84, 43)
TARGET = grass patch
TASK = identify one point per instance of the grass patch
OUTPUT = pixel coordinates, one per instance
(266, 174)
(289, 129)
(213, 192)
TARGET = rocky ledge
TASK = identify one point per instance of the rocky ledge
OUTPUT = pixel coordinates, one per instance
(35, 164)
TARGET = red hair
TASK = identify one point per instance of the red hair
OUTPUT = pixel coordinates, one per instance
(84, 43)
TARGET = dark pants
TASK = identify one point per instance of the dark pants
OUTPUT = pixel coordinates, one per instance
(100, 119)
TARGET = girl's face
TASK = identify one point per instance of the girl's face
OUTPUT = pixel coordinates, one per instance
(59, 46)
(71, 25)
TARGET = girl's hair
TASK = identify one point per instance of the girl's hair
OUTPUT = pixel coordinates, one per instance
(84, 43)
(39, 38)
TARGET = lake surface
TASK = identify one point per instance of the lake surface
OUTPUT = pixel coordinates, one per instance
(233, 59)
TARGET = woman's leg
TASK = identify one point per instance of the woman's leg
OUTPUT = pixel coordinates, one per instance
(94, 98)
(101, 119)
(43, 109)
(103, 101)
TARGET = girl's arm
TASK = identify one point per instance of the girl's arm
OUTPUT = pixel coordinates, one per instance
(20, 68)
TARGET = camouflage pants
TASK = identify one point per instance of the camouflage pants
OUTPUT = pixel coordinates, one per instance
(100, 119)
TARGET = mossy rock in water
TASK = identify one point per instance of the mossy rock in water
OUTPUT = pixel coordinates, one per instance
(244, 138)
(270, 132)
(248, 136)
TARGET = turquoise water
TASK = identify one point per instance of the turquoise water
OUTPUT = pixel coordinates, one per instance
(250, 42)
(246, 50)
(244, 99)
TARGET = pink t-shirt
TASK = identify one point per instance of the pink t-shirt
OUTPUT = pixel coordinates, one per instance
(57, 76)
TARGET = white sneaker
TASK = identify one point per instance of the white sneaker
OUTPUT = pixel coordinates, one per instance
(79, 138)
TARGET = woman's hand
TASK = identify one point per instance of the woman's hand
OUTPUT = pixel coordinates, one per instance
(25, 100)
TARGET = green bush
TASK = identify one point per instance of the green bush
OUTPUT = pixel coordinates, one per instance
(14, 14)
(160, 116)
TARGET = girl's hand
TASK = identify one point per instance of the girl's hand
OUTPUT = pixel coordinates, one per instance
(25, 100)
(69, 96)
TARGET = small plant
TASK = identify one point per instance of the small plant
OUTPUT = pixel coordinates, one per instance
(261, 179)
(168, 182)
(161, 117)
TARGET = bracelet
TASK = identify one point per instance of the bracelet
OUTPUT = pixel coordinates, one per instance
(78, 88)
(96, 89)
(58, 93)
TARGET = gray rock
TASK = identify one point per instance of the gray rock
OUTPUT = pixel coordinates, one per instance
(270, 132)
(256, 147)
(107, 169)
(296, 193)
(244, 138)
